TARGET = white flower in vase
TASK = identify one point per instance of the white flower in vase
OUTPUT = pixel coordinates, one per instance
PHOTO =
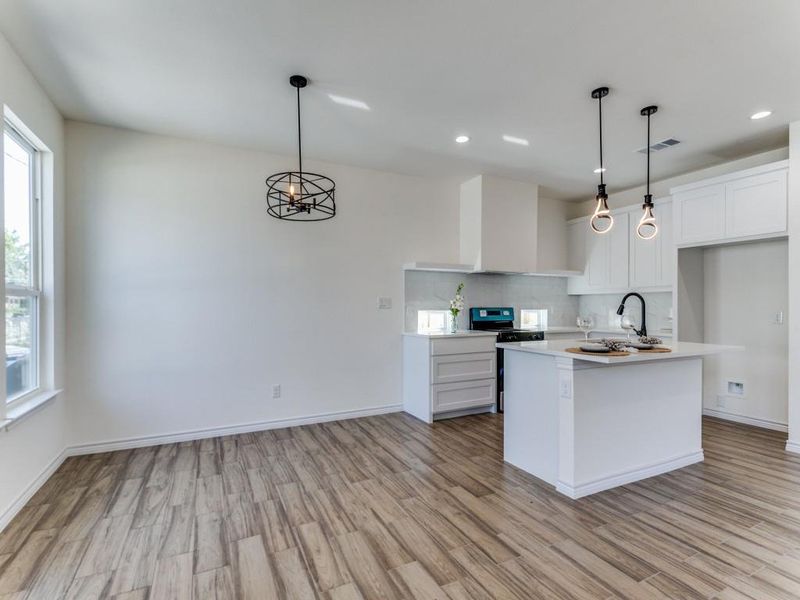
(456, 306)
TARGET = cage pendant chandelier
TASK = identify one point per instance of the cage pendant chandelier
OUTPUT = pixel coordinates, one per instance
(300, 195)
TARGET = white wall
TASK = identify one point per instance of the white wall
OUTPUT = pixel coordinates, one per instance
(794, 287)
(31, 445)
(745, 287)
(187, 302)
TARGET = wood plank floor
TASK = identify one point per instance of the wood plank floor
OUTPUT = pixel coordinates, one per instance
(388, 507)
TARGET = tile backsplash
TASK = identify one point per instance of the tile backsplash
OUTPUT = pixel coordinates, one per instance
(430, 291)
(603, 309)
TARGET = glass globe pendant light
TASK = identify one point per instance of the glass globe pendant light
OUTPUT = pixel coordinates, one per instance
(601, 221)
(647, 228)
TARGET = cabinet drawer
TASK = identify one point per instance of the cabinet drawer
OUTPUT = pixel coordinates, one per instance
(463, 345)
(449, 368)
(447, 397)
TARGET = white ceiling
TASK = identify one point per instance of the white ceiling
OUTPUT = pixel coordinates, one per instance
(430, 70)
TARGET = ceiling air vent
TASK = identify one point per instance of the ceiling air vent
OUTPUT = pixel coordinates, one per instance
(662, 145)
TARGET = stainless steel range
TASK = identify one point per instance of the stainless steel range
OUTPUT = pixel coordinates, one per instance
(501, 320)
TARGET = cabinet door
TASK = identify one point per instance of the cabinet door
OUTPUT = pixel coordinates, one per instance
(666, 248)
(597, 259)
(644, 254)
(756, 205)
(651, 261)
(617, 254)
(699, 214)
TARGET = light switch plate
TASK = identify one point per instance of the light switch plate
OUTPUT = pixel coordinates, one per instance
(384, 303)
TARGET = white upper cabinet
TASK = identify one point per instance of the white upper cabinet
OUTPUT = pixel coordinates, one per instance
(619, 260)
(604, 261)
(756, 205)
(743, 205)
(651, 261)
(698, 214)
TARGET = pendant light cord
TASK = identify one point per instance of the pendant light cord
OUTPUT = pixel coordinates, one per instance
(299, 140)
(648, 155)
(600, 114)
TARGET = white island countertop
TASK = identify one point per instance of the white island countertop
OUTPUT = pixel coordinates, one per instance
(558, 348)
(618, 331)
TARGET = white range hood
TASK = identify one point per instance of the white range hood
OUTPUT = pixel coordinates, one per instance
(500, 222)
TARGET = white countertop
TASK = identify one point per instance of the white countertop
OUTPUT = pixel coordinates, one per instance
(558, 348)
(459, 333)
(614, 330)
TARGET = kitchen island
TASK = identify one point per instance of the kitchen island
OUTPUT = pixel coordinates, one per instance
(587, 423)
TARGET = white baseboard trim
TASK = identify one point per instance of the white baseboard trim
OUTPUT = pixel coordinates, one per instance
(606, 483)
(21, 500)
(199, 434)
(755, 422)
(182, 436)
(793, 447)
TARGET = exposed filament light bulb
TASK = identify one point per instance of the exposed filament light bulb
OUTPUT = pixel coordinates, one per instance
(602, 221)
(647, 228)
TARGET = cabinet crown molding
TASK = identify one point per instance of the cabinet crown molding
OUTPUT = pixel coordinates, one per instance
(728, 177)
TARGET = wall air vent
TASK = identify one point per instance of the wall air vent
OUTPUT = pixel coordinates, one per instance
(662, 145)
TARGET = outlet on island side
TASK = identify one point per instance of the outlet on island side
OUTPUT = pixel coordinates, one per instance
(276, 391)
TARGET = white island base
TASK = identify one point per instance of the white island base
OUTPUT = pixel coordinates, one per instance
(588, 425)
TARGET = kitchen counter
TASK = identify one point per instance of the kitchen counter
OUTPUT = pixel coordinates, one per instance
(559, 347)
(459, 333)
(616, 331)
(588, 423)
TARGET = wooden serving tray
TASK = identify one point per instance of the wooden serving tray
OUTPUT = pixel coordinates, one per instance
(612, 353)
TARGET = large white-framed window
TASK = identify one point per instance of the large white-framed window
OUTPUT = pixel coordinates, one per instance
(22, 186)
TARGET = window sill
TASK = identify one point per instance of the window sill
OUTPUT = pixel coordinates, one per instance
(21, 411)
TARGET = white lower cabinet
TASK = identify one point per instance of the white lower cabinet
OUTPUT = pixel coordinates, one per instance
(448, 376)
(448, 368)
(446, 397)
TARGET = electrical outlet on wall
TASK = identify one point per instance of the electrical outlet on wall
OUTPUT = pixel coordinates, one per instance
(384, 302)
(276, 390)
(735, 388)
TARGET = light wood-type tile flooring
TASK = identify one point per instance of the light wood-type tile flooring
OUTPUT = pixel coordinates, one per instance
(387, 507)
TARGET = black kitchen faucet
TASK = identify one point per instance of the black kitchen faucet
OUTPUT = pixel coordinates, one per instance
(643, 331)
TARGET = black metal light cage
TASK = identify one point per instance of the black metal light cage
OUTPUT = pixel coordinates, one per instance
(299, 195)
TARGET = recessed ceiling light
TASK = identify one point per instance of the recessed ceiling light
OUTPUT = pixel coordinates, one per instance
(762, 114)
(462, 139)
(516, 140)
(351, 102)
(600, 170)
